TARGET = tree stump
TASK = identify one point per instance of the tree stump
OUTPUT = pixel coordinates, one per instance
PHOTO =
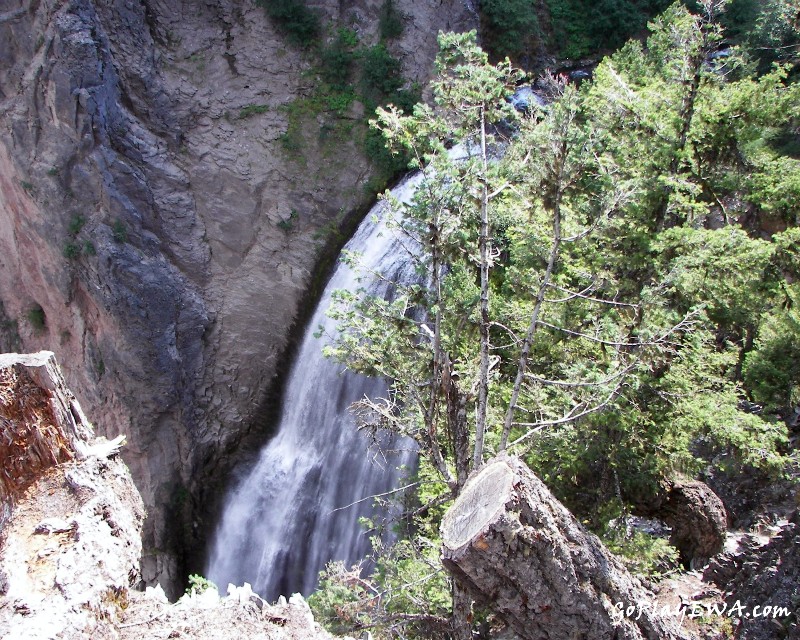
(521, 552)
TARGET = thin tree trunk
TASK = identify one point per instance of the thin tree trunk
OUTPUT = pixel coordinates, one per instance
(686, 114)
(483, 245)
(457, 423)
(534, 321)
(438, 358)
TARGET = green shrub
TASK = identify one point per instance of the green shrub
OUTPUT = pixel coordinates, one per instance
(294, 18)
(286, 225)
(642, 553)
(76, 223)
(386, 163)
(198, 584)
(36, 318)
(71, 251)
(768, 29)
(380, 73)
(510, 26)
(252, 110)
(772, 370)
(336, 59)
(119, 232)
(339, 102)
(292, 139)
(582, 27)
(390, 21)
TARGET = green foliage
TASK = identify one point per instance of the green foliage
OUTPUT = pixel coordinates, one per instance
(574, 28)
(408, 580)
(294, 18)
(391, 22)
(28, 186)
(772, 370)
(119, 232)
(511, 26)
(252, 110)
(36, 318)
(72, 250)
(786, 257)
(724, 270)
(339, 601)
(198, 584)
(349, 73)
(582, 27)
(651, 314)
(76, 223)
(768, 29)
(337, 59)
(380, 75)
(643, 554)
(287, 224)
(710, 146)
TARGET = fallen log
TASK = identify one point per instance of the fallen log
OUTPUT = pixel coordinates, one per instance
(521, 552)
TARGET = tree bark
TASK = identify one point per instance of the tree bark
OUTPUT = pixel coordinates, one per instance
(461, 620)
(521, 552)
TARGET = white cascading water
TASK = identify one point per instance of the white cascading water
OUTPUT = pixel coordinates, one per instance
(291, 515)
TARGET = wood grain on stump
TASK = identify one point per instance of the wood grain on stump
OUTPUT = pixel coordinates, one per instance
(521, 552)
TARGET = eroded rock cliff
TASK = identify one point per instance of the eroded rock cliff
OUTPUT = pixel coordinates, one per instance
(153, 230)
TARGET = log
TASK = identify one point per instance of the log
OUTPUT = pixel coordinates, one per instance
(522, 553)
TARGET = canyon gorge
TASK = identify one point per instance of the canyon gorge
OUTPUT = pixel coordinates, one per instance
(567, 332)
(159, 236)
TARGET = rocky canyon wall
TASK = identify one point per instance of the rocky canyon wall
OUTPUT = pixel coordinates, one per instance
(154, 231)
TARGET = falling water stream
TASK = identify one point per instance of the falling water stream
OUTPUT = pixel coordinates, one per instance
(300, 505)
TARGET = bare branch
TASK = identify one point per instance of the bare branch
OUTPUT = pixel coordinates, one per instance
(600, 383)
(575, 294)
(660, 340)
(377, 495)
(535, 427)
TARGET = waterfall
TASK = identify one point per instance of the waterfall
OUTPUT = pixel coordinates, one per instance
(295, 511)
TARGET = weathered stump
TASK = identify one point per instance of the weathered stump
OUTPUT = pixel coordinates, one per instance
(525, 555)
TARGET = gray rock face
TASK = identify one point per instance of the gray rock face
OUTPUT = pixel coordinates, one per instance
(761, 583)
(143, 217)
